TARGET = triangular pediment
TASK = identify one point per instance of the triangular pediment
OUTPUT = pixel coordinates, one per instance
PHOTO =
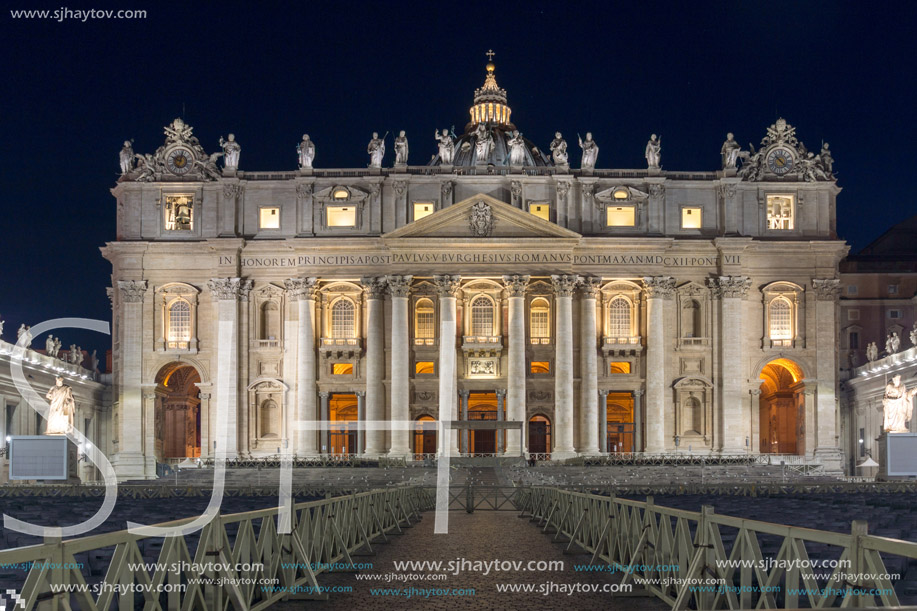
(481, 217)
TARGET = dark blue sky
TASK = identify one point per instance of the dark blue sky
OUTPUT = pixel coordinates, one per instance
(73, 91)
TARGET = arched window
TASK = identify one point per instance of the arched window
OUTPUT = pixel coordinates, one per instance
(619, 318)
(270, 320)
(780, 319)
(691, 319)
(540, 320)
(424, 319)
(342, 319)
(482, 317)
(179, 324)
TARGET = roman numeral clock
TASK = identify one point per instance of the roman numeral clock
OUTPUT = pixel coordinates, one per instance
(780, 160)
(179, 160)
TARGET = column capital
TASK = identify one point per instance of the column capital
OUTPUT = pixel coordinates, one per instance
(590, 286)
(373, 286)
(565, 284)
(361, 394)
(659, 287)
(603, 392)
(149, 395)
(638, 392)
(754, 392)
(132, 291)
(447, 286)
(226, 289)
(301, 288)
(501, 393)
(110, 291)
(323, 395)
(464, 393)
(516, 285)
(245, 287)
(203, 396)
(826, 289)
(399, 286)
(730, 286)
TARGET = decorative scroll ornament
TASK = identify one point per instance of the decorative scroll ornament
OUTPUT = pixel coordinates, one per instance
(110, 291)
(304, 191)
(730, 286)
(400, 187)
(224, 289)
(301, 288)
(447, 286)
(657, 191)
(374, 286)
(515, 188)
(515, 285)
(590, 286)
(481, 220)
(447, 188)
(659, 287)
(399, 286)
(826, 289)
(563, 187)
(132, 291)
(233, 190)
(564, 285)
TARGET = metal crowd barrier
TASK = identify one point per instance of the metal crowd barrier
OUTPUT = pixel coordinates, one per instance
(672, 552)
(323, 533)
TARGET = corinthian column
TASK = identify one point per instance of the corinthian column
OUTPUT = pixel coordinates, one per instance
(225, 293)
(826, 427)
(563, 361)
(589, 436)
(732, 421)
(129, 462)
(515, 376)
(658, 289)
(302, 292)
(447, 286)
(375, 363)
(399, 287)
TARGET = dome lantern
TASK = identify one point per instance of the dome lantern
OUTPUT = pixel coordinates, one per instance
(490, 100)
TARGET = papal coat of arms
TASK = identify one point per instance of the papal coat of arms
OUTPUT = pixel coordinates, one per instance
(481, 220)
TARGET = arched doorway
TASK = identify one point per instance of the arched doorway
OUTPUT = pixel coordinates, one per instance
(539, 435)
(424, 438)
(342, 438)
(482, 406)
(177, 417)
(782, 408)
(619, 432)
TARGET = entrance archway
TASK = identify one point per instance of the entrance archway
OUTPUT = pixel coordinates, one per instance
(782, 408)
(342, 438)
(424, 438)
(482, 406)
(177, 415)
(539, 435)
(619, 430)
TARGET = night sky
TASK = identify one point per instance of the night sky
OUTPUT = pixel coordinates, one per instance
(73, 92)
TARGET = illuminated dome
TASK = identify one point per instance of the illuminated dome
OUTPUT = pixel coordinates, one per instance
(491, 110)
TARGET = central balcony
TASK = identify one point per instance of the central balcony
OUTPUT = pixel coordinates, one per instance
(482, 345)
(622, 346)
(342, 347)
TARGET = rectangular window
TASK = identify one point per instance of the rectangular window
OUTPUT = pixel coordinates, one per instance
(269, 218)
(854, 341)
(540, 209)
(422, 209)
(342, 369)
(896, 314)
(341, 216)
(853, 315)
(852, 289)
(621, 216)
(541, 367)
(424, 368)
(619, 367)
(179, 212)
(690, 218)
(892, 289)
(541, 325)
(780, 212)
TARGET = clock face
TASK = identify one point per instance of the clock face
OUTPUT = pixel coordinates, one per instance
(179, 161)
(780, 161)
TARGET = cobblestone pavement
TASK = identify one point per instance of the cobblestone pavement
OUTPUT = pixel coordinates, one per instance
(481, 536)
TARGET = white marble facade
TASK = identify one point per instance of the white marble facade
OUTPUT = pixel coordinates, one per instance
(704, 301)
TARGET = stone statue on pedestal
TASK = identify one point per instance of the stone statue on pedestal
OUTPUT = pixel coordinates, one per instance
(653, 152)
(76, 354)
(306, 152)
(484, 144)
(376, 151)
(446, 146)
(872, 352)
(401, 149)
(231, 152)
(126, 157)
(913, 334)
(60, 416)
(892, 343)
(729, 152)
(825, 160)
(516, 149)
(50, 347)
(590, 151)
(897, 406)
(559, 150)
(27, 332)
(1, 327)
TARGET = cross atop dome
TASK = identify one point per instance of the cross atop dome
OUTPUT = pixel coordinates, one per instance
(490, 54)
